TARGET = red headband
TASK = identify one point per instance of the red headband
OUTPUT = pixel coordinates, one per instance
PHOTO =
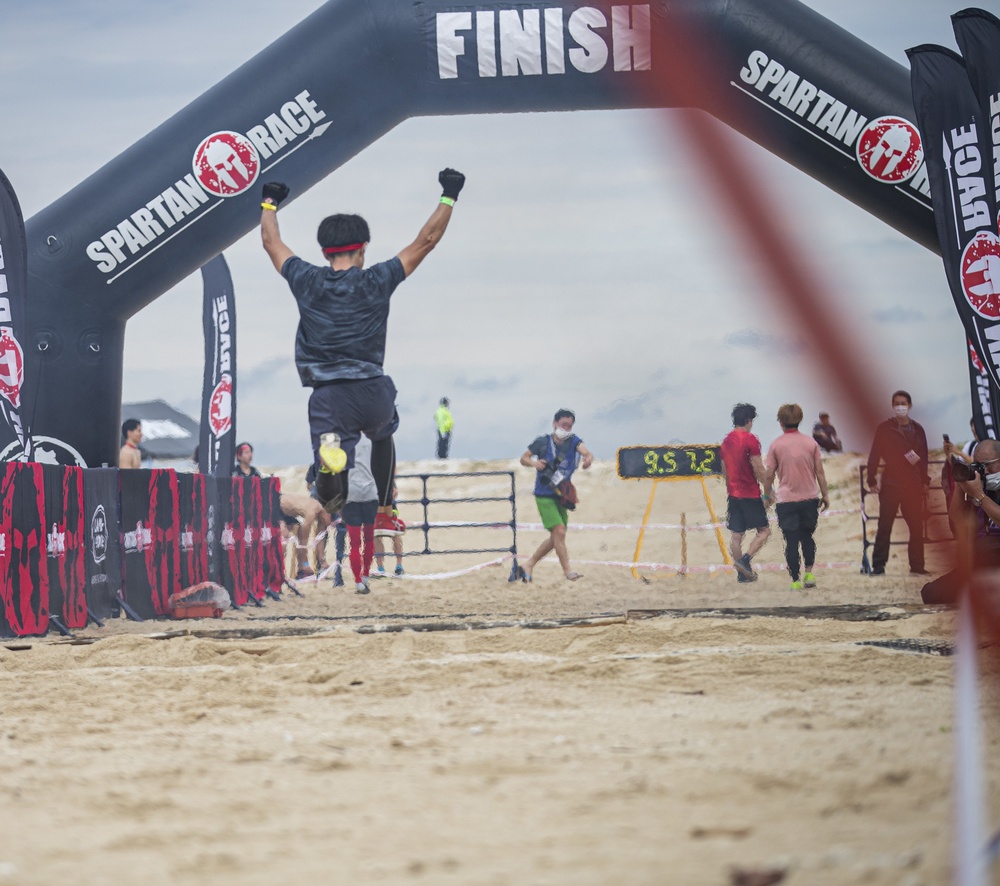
(333, 250)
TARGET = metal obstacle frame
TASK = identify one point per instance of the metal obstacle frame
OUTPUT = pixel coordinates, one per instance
(866, 566)
(645, 522)
(426, 525)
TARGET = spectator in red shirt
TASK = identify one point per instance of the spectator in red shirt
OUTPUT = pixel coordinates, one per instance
(900, 446)
(744, 472)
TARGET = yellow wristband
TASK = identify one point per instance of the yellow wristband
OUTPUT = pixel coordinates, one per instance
(447, 201)
(270, 206)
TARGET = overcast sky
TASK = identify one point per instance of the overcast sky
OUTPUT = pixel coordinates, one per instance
(585, 267)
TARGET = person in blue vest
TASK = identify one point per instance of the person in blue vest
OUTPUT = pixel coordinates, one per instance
(555, 457)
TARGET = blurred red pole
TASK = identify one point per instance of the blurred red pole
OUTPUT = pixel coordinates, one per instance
(681, 71)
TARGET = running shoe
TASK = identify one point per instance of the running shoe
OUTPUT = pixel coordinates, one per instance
(378, 572)
(399, 569)
(808, 580)
(333, 457)
(362, 587)
(797, 585)
(389, 524)
(744, 569)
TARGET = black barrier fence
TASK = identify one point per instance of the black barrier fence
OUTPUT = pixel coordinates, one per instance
(428, 504)
(83, 544)
(932, 518)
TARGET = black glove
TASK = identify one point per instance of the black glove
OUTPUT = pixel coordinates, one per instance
(451, 183)
(275, 192)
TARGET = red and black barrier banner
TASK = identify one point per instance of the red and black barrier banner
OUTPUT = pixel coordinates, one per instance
(272, 553)
(24, 575)
(241, 572)
(64, 544)
(102, 541)
(194, 529)
(962, 192)
(150, 522)
(13, 316)
(217, 491)
(217, 436)
(73, 540)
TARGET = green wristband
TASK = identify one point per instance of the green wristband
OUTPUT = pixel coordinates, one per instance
(447, 201)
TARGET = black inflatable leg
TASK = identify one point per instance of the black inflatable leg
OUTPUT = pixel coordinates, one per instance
(129, 611)
(55, 620)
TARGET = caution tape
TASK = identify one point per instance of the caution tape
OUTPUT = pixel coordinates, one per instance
(537, 527)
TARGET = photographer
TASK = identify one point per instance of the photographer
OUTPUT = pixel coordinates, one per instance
(975, 514)
(554, 457)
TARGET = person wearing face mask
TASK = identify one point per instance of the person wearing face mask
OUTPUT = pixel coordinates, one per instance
(558, 450)
(975, 514)
(900, 445)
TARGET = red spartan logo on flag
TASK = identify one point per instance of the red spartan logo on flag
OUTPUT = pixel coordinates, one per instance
(226, 163)
(11, 368)
(220, 410)
(889, 149)
(975, 361)
(981, 274)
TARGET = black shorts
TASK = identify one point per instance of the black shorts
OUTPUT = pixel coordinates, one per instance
(798, 516)
(359, 513)
(352, 408)
(746, 513)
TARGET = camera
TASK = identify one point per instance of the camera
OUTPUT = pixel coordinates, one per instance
(962, 470)
(552, 475)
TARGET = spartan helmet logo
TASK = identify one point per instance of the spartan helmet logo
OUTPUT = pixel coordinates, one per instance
(99, 535)
(226, 163)
(981, 274)
(220, 413)
(889, 149)
(11, 368)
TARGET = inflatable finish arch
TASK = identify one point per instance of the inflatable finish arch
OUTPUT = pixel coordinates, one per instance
(802, 87)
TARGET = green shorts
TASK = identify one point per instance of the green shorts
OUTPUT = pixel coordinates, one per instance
(552, 513)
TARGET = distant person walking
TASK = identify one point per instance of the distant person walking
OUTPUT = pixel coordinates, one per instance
(825, 434)
(444, 421)
(744, 472)
(130, 456)
(797, 462)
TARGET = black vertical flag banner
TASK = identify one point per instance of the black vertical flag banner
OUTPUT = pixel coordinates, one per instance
(217, 438)
(13, 317)
(948, 115)
(24, 575)
(984, 414)
(978, 36)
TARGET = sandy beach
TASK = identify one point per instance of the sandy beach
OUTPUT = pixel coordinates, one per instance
(635, 726)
